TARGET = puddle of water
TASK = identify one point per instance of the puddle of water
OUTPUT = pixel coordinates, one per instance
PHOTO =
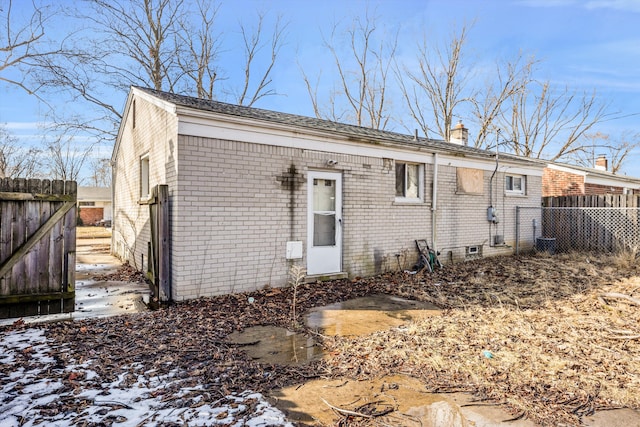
(109, 298)
(409, 403)
(319, 402)
(362, 316)
(359, 316)
(271, 344)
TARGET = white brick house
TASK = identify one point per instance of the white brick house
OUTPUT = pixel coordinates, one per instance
(253, 191)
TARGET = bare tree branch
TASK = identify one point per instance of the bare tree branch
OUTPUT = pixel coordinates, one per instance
(66, 156)
(490, 104)
(549, 124)
(100, 173)
(253, 45)
(202, 49)
(363, 75)
(23, 45)
(615, 149)
(16, 161)
(441, 80)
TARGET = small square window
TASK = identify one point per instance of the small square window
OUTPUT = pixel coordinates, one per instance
(408, 181)
(514, 184)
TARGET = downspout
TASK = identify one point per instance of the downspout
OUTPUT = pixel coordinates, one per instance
(114, 166)
(434, 203)
(491, 210)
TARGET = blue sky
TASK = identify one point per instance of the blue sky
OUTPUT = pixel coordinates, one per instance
(585, 44)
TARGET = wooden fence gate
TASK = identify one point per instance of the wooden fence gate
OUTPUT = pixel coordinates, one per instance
(158, 261)
(37, 247)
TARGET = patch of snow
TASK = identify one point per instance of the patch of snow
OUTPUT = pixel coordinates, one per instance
(26, 392)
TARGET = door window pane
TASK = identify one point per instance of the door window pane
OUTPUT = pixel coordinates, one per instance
(324, 195)
(324, 215)
(324, 229)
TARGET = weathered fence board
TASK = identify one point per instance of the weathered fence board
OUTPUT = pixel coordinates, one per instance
(37, 247)
(593, 201)
(158, 264)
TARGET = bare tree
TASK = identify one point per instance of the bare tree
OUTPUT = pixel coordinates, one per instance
(100, 172)
(490, 104)
(440, 81)
(363, 74)
(123, 43)
(150, 43)
(23, 45)
(549, 124)
(616, 150)
(253, 44)
(142, 32)
(66, 156)
(16, 161)
(201, 50)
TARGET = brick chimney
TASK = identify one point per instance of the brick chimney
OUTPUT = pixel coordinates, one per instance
(602, 163)
(459, 134)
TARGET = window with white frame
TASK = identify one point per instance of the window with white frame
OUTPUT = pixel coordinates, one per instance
(409, 181)
(515, 184)
(144, 177)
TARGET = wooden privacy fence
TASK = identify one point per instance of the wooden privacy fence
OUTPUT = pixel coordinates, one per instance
(37, 247)
(595, 201)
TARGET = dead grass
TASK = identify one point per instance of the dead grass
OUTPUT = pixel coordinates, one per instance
(559, 347)
(86, 232)
(542, 339)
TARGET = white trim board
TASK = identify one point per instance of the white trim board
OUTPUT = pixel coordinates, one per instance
(283, 136)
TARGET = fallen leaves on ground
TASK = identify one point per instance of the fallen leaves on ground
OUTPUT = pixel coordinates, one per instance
(528, 331)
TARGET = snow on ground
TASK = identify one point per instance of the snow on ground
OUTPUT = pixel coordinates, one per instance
(34, 388)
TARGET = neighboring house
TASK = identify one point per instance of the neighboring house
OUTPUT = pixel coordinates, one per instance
(568, 180)
(94, 205)
(253, 192)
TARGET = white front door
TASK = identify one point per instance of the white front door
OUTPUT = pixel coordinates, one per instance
(324, 223)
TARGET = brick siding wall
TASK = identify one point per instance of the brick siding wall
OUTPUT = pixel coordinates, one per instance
(91, 215)
(561, 183)
(593, 189)
(234, 205)
(234, 224)
(154, 134)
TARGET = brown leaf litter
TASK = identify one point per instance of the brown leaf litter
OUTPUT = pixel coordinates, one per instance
(533, 332)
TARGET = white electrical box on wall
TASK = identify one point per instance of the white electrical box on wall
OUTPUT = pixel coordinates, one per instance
(294, 250)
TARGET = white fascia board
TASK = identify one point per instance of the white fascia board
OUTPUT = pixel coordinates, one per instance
(610, 182)
(125, 115)
(202, 124)
(154, 100)
(566, 169)
(490, 165)
(133, 94)
(286, 136)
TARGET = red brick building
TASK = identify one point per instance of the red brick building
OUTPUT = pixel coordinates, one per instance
(560, 179)
(94, 205)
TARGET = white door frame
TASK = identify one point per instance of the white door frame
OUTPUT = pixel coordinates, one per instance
(324, 259)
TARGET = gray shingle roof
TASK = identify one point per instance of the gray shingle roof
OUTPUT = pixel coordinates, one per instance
(356, 132)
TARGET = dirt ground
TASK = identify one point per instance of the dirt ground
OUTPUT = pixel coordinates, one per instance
(555, 338)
